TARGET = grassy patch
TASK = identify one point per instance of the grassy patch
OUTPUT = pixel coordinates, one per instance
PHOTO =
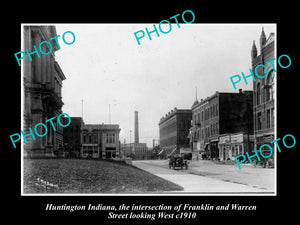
(89, 176)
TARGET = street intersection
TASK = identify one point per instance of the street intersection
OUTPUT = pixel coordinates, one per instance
(207, 177)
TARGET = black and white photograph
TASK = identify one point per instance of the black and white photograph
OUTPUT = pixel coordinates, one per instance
(149, 109)
(139, 114)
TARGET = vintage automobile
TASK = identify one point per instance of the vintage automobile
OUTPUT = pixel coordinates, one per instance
(177, 160)
(264, 162)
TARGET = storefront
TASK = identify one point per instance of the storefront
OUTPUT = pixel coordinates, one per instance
(265, 139)
(198, 150)
(90, 151)
(232, 145)
(214, 148)
(224, 147)
(237, 144)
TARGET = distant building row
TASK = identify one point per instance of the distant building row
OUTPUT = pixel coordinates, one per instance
(91, 140)
(99, 141)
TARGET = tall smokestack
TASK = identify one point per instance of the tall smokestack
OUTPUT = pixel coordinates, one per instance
(136, 127)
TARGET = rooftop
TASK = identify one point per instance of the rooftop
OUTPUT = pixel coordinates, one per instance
(174, 112)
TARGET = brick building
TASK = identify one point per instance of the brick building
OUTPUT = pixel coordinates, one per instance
(174, 130)
(100, 141)
(42, 84)
(72, 136)
(219, 114)
(263, 92)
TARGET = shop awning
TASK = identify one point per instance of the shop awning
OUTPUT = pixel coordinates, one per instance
(172, 152)
(185, 150)
(161, 152)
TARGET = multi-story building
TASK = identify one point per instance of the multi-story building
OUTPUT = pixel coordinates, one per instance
(263, 93)
(42, 99)
(72, 136)
(100, 141)
(174, 130)
(219, 114)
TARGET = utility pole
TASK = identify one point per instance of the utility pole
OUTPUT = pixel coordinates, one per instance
(109, 114)
(82, 108)
(130, 143)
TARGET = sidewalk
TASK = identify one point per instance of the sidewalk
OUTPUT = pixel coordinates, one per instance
(258, 177)
(193, 183)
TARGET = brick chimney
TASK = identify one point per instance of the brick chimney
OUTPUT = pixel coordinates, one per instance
(136, 127)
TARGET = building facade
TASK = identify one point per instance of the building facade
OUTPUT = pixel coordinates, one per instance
(42, 99)
(72, 137)
(100, 141)
(174, 130)
(231, 145)
(219, 114)
(138, 151)
(264, 93)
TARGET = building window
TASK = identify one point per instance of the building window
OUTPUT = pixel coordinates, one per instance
(214, 110)
(258, 94)
(84, 139)
(268, 118)
(110, 138)
(272, 117)
(270, 87)
(259, 121)
(90, 139)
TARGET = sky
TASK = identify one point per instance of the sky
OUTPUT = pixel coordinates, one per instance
(107, 69)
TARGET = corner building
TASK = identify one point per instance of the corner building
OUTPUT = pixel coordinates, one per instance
(100, 141)
(174, 130)
(264, 93)
(42, 99)
(221, 113)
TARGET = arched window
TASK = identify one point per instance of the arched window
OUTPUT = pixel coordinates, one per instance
(270, 87)
(258, 94)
